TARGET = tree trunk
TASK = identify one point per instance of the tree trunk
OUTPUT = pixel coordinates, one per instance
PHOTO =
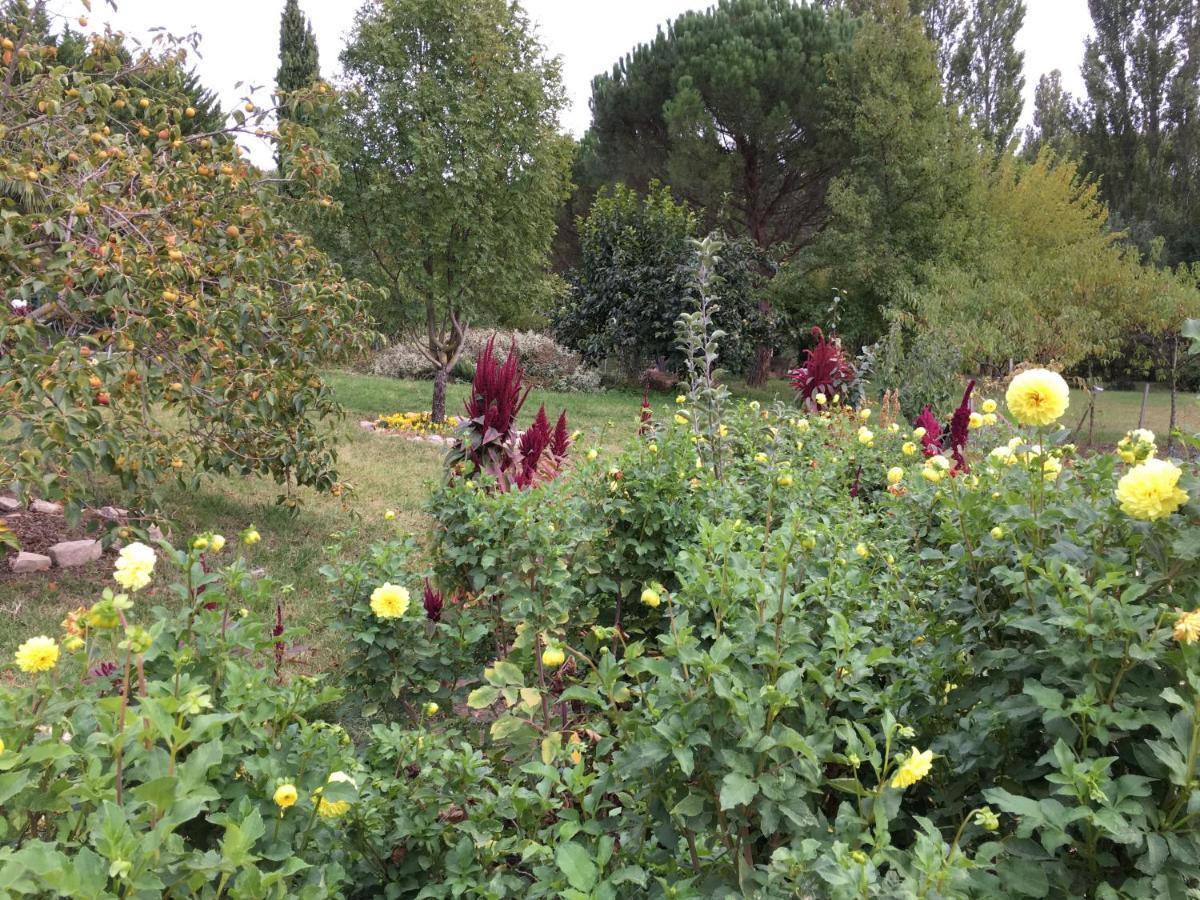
(438, 409)
(760, 366)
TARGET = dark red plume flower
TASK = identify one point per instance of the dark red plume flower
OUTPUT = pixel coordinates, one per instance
(560, 442)
(856, 486)
(647, 414)
(931, 440)
(433, 603)
(534, 440)
(496, 396)
(280, 646)
(960, 425)
(825, 370)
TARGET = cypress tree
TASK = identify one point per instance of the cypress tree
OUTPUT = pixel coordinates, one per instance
(298, 62)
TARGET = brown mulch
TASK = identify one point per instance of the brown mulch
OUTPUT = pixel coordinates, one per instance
(37, 532)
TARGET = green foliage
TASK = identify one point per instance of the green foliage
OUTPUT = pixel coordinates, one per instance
(145, 762)
(452, 165)
(1140, 68)
(1054, 283)
(299, 65)
(986, 72)
(636, 276)
(725, 106)
(919, 365)
(800, 676)
(905, 193)
(161, 316)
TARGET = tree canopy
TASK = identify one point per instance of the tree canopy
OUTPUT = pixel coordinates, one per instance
(453, 167)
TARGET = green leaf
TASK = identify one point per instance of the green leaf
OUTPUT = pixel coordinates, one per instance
(737, 790)
(482, 697)
(576, 863)
(691, 805)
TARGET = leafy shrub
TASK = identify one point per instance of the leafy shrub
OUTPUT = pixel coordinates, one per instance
(636, 276)
(144, 760)
(547, 364)
(838, 668)
(148, 266)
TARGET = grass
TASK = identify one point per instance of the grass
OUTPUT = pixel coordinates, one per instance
(388, 472)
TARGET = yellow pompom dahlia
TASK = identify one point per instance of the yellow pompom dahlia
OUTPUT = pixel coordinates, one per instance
(1151, 490)
(389, 601)
(38, 654)
(135, 565)
(1038, 397)
(1187, 627)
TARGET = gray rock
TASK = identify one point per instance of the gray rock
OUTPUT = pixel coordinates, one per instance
(9, 504)
(366, 425)
(75, 553)
(112, 513)
(29, 562)
(46, 508)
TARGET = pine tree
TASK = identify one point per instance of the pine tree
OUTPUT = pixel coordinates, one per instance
(986, 76)
(298, 62)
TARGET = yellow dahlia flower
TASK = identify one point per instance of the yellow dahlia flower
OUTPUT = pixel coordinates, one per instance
(909, 448)
(895, 475)
(331, 809)
(1151, 490)
(389, 601)
(1187, 627)
(38, 654)
(913, 769)
(651, 598)
(285, 796)
(988, 406)
(135, 564)
(1038, 397)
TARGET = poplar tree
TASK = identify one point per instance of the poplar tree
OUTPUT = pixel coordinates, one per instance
(986, 75)
(1140, 70)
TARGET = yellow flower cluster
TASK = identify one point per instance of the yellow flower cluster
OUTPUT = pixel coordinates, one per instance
(417, 423)
(1137, 446)
(1151, 490)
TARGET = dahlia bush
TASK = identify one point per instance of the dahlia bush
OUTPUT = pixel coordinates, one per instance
(844, 666)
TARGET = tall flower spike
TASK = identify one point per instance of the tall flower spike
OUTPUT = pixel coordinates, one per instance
(432, 601)
(931, 440)
(561, 441)
(534, 440)
(960, 428)
(647, 414)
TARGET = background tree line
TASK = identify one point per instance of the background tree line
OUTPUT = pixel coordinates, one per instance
(861, 157)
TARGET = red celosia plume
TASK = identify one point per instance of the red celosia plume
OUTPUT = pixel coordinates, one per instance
(825, 371)
(931, 440)
(960, 425)
(561, 440)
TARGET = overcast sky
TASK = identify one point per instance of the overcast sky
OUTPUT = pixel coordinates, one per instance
(241, 38)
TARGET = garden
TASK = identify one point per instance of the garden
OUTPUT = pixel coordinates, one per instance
(364, 541)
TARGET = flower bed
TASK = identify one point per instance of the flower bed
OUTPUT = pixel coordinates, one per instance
(766, 653)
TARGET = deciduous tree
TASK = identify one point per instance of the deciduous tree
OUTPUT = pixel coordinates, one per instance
(161, 318)
(452, 165)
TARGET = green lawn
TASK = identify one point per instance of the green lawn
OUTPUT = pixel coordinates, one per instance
(389, 473)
